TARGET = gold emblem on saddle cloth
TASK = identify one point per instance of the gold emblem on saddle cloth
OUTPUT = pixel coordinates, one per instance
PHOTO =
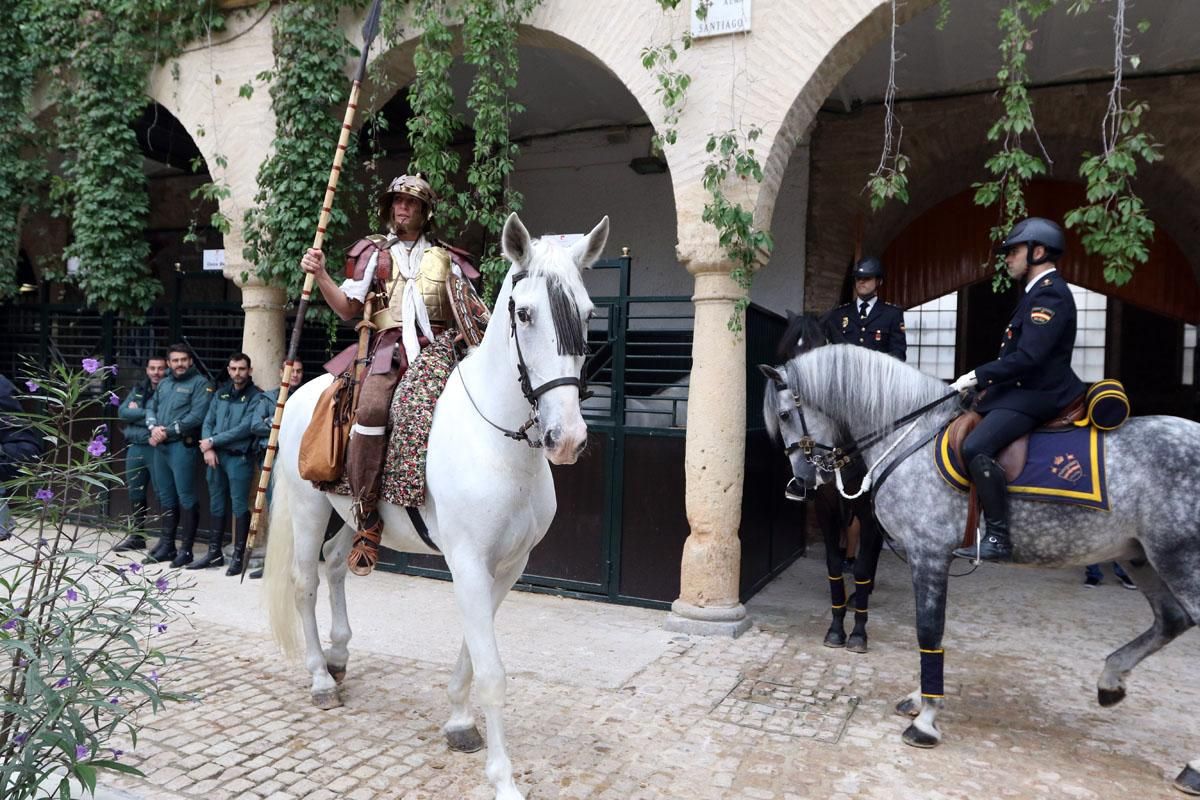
(431, 283)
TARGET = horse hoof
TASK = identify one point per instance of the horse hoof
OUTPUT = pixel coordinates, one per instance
(466, 740)
(834, 638)
(857, 643)
(915, 737)
(326, 700)
(908, 707)
(1110, 697)
(1188, 781)
(337, 673)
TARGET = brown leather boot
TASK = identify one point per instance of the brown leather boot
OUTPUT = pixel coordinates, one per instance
(364, 469)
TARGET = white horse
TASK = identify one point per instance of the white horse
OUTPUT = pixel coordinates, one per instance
(489, 498)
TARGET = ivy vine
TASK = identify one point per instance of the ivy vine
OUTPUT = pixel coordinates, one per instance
(19, 175)
(889, 179)
(1114, 224)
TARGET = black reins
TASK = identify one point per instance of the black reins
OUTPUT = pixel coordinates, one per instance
(531, 393)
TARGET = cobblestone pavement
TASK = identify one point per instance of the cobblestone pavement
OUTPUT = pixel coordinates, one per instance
(770, 716)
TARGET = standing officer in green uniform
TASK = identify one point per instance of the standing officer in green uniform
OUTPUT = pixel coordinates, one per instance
(227, 443)
(173, 417)
(868, 321)
(261, 428)
(139, 455)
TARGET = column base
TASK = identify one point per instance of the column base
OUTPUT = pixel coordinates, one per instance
(728, 621)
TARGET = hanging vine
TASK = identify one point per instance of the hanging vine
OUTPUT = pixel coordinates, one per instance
(308, 91)
(19, 173)
(1114, 224)
(888, 180)
(1013, 166)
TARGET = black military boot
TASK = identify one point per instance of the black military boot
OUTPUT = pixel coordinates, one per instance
(241, 530)
(165, 549)
(191, 521)
(136, 540)
(992, 488)
(214, 557)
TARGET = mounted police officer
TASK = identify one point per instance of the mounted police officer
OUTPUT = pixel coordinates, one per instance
(1030, 382)
(227, 442)
(174, 416)
(139, 456)
(407, 269)
(868, 321)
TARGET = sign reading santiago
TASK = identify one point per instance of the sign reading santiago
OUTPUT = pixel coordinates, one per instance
(724, 16)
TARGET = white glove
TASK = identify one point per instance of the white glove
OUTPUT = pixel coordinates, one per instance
(965, 382)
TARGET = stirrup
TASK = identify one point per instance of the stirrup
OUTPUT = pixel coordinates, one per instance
(364, 554)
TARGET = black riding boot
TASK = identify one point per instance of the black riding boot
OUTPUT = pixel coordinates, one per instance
(165, 549)
(136, 540)
(191, 521)
(240, 532)
(992, 488)
(214, 557)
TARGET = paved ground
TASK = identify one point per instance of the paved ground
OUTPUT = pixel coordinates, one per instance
(604, 704)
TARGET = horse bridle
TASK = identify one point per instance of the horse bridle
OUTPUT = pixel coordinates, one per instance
(531, 393)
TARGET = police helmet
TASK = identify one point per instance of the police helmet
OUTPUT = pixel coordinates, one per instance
(1034, 231)
(416, 185)
(869, 267)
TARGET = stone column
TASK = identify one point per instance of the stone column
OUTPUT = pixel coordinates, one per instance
(263, 337)
(715, 457)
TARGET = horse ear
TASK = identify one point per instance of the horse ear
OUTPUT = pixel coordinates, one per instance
(587, 250)
(771, 373)
(515, 242)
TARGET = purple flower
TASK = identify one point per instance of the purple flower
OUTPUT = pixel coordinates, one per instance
(135, 567)
(22, 662)
(161, 627)
(81, 752)
(117, 754)
(20, 738)
(62, 683)
(97, 447)
(72, 595)
(45, 495)
(113, 399)
(112, 367)
(9, 625)
(32, 386)
(154, 676)
(90, 365)
(114, 700)
(162, 583)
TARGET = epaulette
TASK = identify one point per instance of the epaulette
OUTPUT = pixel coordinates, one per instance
(359, 255)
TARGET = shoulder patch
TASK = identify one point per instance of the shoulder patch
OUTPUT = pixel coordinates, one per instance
(1047, 282)
(1040, 315)
(209, 388)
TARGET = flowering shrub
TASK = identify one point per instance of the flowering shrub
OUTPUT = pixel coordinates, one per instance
(78, 658)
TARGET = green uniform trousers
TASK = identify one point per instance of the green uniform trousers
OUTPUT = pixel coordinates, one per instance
(138, 461)
(174, 474)
(229, 482)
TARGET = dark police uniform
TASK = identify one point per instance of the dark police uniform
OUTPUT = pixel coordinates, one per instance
(1031, 380)
(139, 455)
(881, 330)
(231, 414)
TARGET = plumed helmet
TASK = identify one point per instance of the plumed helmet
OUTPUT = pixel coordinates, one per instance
(1034, 231)
(869, 267)
(416, 185)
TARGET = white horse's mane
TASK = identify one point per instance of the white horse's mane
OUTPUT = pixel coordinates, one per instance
(856, 386)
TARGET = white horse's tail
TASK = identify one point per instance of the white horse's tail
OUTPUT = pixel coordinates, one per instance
(280, 572)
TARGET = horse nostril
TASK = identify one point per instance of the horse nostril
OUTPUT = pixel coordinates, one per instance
(550, 439)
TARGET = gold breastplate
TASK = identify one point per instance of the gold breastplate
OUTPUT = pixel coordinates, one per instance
(431, 284)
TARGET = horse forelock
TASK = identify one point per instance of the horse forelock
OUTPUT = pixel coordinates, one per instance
(855, 386)
(566, 294)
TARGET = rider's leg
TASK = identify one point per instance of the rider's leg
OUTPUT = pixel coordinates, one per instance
(364, 465)
(998, 429)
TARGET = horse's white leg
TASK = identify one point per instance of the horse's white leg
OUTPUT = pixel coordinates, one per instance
(473, 588)
(336, 551)
(308, 548)
(461, 733)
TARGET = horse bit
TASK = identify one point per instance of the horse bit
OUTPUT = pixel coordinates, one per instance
(531, 393)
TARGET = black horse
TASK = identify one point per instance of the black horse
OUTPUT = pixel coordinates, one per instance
(835, 514)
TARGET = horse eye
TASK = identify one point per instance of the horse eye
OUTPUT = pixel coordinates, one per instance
(523, 314)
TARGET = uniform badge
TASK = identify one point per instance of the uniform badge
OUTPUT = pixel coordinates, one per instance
(1040, 315)
(879, 336)
(1067, 467)
(845, 322)
(1047, 282)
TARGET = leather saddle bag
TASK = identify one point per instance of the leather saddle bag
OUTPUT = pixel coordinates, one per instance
(323, 447)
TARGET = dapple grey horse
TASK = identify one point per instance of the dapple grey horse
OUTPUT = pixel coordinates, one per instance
(843, 392)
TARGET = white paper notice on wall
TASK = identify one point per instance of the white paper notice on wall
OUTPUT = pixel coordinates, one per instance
(724, 16)
(214, 260)
(561, 239)
(73, 265)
